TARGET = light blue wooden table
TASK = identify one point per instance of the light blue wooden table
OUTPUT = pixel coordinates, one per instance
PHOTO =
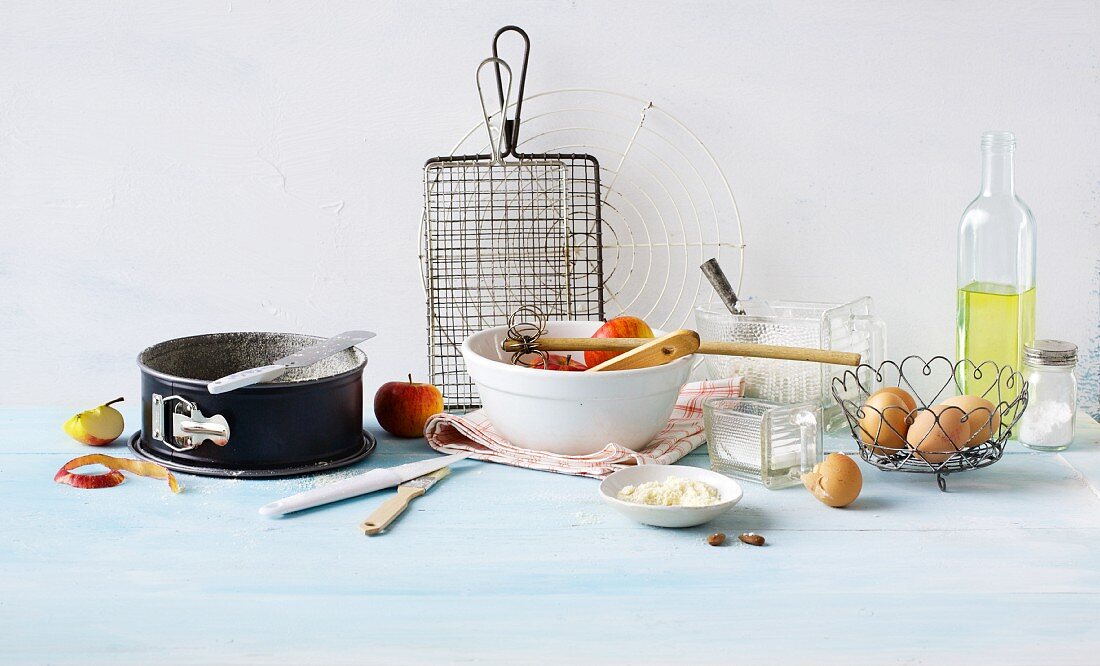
(503, 565)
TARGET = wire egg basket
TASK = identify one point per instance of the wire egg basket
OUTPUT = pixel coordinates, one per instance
(931, 437)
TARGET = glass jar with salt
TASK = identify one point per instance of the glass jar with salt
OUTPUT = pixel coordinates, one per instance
(1047, 423)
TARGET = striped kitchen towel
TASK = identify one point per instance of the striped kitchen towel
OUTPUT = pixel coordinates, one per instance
(453, 433)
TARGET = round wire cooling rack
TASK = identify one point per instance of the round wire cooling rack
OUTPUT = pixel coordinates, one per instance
(666, 203)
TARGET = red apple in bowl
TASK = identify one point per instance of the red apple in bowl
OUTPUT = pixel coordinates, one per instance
(403, 408)
(562, 362)
(619, 327)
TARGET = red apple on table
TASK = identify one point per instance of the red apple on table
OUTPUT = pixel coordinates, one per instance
(403, 408)
(619, 327)
(562, 362)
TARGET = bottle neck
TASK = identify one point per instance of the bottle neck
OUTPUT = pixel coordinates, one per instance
(997, 176)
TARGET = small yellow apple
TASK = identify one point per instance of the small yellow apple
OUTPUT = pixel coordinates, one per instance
(98, 426)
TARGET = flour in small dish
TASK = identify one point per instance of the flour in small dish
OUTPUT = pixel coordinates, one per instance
(673, 491)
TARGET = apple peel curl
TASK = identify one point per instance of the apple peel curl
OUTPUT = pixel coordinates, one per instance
(113, 477)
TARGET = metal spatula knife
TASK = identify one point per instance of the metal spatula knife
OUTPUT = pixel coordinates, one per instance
(299, 359)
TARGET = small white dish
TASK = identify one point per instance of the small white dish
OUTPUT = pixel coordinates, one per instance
(669, 516)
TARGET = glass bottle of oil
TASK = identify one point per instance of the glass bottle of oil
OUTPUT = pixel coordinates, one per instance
(996, 271)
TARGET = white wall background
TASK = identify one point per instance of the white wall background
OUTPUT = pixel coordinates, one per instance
(173, 168)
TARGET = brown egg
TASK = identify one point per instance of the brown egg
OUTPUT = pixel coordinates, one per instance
(983, 419)
(938, 432)
(901, 393)
(835, 481)
(886, 420)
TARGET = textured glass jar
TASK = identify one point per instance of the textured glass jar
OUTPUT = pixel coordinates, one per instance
(762, 441)
(995, 315)
(1047, 423)
(850, 327)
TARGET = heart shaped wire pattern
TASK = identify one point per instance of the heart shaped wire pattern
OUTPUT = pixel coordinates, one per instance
(931, 437)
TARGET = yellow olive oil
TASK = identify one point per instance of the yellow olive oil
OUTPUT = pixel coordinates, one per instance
(994, 323)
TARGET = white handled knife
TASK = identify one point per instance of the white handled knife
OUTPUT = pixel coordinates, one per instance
(376, 479)
(299, 359)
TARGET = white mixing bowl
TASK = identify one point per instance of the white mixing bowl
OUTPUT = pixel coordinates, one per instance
(571, 413)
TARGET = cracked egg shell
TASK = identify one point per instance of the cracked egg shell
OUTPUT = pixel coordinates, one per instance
(835, 481)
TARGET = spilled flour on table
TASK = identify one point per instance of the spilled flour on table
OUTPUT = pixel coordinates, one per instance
(585, 518)
(280, 487)
(212, 486)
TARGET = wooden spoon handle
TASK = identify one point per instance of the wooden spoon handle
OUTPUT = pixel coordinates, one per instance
(581, 344)
(719, 348)
(777, 351)
(656, 351)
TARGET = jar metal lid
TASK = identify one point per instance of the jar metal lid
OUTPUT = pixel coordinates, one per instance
(1050, 352)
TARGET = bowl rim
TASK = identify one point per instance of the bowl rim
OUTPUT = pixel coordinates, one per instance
(470, 355)
(725, 503)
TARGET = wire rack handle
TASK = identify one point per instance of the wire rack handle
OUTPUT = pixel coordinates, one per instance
(496, 144)
(511, 125)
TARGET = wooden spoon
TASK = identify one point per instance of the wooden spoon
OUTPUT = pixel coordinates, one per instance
(720, 348)
(657, 351)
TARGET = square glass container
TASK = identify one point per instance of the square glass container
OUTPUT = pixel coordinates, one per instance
(762, 441)
(849, 327)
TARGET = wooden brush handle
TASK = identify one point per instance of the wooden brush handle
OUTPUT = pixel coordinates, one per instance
(389, 510)
(720, 348)
(656, 351)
